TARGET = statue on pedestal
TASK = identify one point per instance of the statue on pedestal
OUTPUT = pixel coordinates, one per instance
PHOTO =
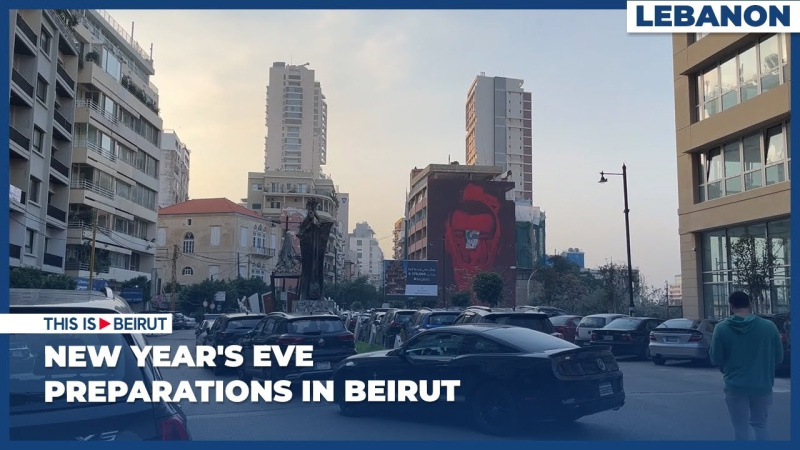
(313, 234)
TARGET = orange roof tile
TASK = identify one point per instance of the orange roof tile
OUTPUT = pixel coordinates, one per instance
(207, 206)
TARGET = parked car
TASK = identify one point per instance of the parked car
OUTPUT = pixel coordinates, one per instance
(551, 311)
(784, 324)
(682, 339)
(189, 323)
(229, 329)
(627, 336)
(566, 325)
(201, 331)
(525, 319)
(394, 322)
(178, 320)
(591, 323)
(331, 341)
(542, 377)
(427, 319)
(33, 419)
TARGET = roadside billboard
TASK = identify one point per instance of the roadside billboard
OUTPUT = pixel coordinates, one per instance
(405, 278)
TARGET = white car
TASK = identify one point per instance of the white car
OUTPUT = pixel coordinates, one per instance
(591, 323)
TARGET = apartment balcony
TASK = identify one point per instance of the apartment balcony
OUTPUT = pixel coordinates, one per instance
(59, 169)
(107, 154)
(27, 33)
(88, 185)
(81, 231)
(96, 112)
(19, 141)
(64, 78)
(64, 124)
(14, 251)
(56, 217)
(13, 203)
(79, 266)
(53, 260)
(23, 86)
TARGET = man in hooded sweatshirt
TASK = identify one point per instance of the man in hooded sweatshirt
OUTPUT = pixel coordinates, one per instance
(747, 348)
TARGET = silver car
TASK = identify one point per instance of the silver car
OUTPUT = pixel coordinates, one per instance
(682, 339)
(591, 323)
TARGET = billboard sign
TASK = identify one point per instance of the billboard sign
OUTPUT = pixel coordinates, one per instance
(132, 294)
(403, 278)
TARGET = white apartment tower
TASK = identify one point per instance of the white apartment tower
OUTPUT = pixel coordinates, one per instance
(369, 256)
(43, 66)
(116, 153)
(174, 173)
(499, 132)
(296, 120)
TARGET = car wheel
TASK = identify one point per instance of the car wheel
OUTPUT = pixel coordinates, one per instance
(659, 360)
(494, 410)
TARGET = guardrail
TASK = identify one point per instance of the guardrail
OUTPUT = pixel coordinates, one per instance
(22, 82)
(26, 30)
(90, 186)
(96, 108)
(96, 148)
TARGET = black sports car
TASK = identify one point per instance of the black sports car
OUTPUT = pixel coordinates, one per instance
(509, 375)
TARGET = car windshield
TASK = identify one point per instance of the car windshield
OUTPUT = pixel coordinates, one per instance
(315, 326)
(243, 323)
(443, 318)
(523, 320)
(593, 322)
(560, 320)
(529, 340)
(681, 324)
(28, 372)
(624, 324)
(403, 317)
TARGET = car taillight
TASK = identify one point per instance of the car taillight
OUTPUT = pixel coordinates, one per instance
(696, 337)
(560, 329)
(173, 428)
(347, 337)
(289, 340)
(394, 324)
(627, 337)
(594, 336)
(652, 336)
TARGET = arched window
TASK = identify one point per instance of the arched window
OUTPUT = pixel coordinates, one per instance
(188, 271)
(188, 243)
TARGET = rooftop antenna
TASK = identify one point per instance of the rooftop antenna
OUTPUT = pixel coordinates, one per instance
(132, 25)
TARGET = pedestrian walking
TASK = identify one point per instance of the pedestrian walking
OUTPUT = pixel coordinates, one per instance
(746, 348)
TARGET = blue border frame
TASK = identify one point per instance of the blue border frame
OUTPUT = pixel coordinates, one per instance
(354, 4)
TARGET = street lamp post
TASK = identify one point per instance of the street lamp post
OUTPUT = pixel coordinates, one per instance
(528, 290)
(624, 176)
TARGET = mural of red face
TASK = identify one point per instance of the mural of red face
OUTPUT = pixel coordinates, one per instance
(472, 235)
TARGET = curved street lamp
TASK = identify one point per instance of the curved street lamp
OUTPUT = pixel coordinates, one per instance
(624, 175)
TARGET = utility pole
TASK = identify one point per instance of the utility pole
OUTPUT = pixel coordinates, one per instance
(91, 255)
(444, 276)
(174, 277)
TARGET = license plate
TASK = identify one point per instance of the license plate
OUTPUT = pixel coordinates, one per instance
(671, 340)
(325, 365)
(606, 389)
(608, 338)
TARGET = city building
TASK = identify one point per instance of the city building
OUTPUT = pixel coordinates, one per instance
(574, 255)
(499, 131)
(675, 292)
(369, 256)
(296, 120)
(460, 216)
(343, 216)
(732, 113)
(208, 239)
(351, 271)
(43, 67)
(174, 173)
(399, 239)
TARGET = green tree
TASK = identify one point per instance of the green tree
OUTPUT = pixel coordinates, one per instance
(358, 290)
(356, 306)
(460, 299)
(488, 288)
(30, 278)
(752, 264)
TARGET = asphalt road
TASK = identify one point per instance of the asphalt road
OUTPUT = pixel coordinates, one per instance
(673, 402)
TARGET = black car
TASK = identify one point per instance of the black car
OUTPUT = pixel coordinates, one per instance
(391, 325)
(230, 329)
(33, 419)
(627, 336)
(426, 319)
(784, 324)
(526, 319)
(508, 375)
(326, 333)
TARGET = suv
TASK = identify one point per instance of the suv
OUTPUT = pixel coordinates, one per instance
(229, 329)
(391, 325)
(593, 322)
(427, 318)
(532, 320)
(33, 419)
(326, 333)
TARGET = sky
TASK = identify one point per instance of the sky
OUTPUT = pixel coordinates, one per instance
(396, 85)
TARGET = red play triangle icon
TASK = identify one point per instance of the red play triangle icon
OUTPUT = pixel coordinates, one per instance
(104, 323)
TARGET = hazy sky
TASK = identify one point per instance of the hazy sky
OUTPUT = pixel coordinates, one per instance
(396, 85)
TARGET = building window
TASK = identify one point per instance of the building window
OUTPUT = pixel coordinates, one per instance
(189, 222)
(215, 235)
(44, 42)
(722, 275)
(35, 190)
(41, 89)
(188, 243)
(30, 241)
(275, 205)
(38, 140)
(187, 271)
(757, 70)
(749, 163)
(257, 206)
(257, 187)
(213, 272)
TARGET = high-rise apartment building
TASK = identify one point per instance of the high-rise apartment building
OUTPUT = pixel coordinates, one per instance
(43, 66)
(369, 256)
(116, 153)
(499, 133)
(174, 173)
(296, 120)
(399, 239)
(732, 114)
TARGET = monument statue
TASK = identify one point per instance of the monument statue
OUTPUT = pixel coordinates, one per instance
(313, 234)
